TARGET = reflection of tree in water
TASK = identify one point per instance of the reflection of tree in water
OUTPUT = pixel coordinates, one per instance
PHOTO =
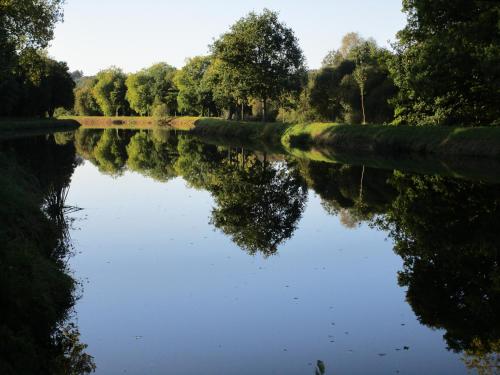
(353, 193)
(153, 154)
(258, 204)
(447, 233)
(36, 290)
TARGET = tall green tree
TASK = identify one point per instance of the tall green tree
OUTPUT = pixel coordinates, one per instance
(355, 85)
(44, 84)
(194, 96)
(24, 25)
(85, 103)
(448, 65)
(152, 87)
(264, 55)
(110, 91)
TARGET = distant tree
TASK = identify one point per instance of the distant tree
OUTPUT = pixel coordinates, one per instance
(264, 56)
(152, 87)
(448, 63)
(110, 90)
(226, 92)
(349, 42)
(194, 96)
(77, 75)
(85, 103)
(357, 87)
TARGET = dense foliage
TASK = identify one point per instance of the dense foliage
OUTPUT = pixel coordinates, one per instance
(443, 70)
(31, 84)
(447, 65)
(36, 288)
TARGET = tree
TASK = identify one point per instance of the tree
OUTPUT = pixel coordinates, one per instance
(85, 103)
(448, 63)
(28, 23)
(25, 26)
(356, 87)
(60, 86)
(349, 42)
(110, 90)
(44, 85)
(225, 88)
(264, 56)
(152, 87)
(194, 96)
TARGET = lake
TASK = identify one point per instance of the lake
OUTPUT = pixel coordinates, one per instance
(204, 258)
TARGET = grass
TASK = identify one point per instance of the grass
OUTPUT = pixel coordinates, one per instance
(386, 139)
(353, 139)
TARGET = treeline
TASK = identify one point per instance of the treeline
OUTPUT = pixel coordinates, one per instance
(31, 83)
(444, 69)
(353, 86)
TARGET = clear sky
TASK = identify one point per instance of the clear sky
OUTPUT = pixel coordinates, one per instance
(134, 34)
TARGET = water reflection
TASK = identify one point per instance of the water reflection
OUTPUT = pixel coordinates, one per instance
(444, 229)
(36, 288)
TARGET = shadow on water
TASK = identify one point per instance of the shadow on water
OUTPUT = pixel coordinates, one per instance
(36, 288)
(444, 228)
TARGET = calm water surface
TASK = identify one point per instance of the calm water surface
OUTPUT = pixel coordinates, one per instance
(196, 258)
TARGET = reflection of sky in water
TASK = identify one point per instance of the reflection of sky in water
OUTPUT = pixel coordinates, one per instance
(166, 294)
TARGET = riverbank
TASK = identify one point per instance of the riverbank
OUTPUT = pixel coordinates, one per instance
(385, 139)
(353, 139)
(366, 139)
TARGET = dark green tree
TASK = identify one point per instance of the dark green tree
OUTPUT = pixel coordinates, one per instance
(194, 96)
(448, 63)
(263, 55)
(110, 91)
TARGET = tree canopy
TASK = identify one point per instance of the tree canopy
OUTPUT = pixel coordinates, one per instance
(448, 63)
(263, 55)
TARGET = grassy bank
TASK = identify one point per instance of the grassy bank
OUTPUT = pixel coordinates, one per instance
(352, 139)
(384, 139)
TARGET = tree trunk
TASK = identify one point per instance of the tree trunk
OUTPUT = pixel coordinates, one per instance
(264, 110)
(363, 105)
(361, 184)
(242, 111)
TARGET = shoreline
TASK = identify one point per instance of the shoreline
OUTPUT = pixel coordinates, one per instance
(362, 140)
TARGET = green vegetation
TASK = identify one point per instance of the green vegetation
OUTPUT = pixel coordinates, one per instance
(443, 228)
(152, 91)
(443, 71)
(447, 63)
(36, 288)
(481, 141)
(31, 84)
(262, 57)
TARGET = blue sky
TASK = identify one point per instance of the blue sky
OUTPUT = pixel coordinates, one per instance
(134, 34)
